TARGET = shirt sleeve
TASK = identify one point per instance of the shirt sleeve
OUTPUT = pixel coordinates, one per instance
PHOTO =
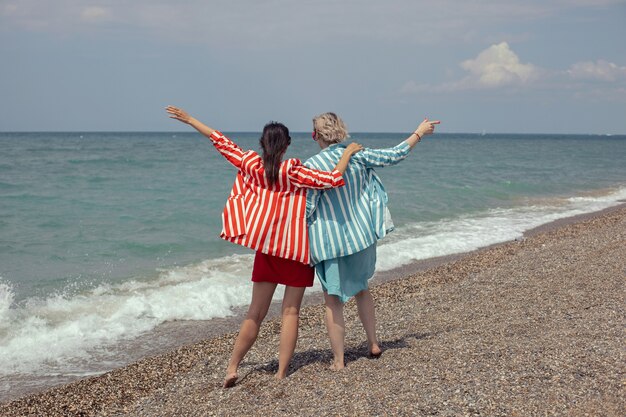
(229, 149)
(373, 158)
(304, 177)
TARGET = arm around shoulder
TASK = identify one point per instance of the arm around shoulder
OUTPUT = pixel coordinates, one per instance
(305, 177)
(350, 150)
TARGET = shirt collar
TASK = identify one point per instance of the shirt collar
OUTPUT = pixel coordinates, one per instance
(333, 147)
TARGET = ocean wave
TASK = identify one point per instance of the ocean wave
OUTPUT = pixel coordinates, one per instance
(426, 240)
(45, 336)
(6, 300)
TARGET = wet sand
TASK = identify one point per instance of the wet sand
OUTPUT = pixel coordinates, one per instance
(529, 327)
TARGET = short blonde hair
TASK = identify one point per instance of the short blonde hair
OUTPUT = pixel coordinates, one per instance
(330, 128)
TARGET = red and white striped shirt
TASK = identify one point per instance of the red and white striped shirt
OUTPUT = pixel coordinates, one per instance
(270, 219)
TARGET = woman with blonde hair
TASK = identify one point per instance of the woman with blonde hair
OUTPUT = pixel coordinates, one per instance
(265, 212)
(345, 224)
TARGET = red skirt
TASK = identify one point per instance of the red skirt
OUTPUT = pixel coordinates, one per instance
(268, 268)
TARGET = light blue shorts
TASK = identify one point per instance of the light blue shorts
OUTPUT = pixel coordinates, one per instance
(347, 276)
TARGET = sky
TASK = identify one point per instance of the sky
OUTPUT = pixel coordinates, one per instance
(532, 66)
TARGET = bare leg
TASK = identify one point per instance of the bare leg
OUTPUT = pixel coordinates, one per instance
(289, 328)
(367, 314)
(336, 329)
(262, 293)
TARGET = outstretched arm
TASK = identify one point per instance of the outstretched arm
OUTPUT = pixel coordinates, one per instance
(182, 116)
(390, 156)
(225, 146)
(427, 127)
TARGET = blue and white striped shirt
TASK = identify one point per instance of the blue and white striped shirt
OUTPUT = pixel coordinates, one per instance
(349, 219)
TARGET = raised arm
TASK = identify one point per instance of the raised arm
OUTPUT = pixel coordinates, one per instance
(229, 149)
(182, 116)
(427, 127)
(391, 156)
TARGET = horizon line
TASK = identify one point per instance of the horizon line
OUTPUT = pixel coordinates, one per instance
(481, 133)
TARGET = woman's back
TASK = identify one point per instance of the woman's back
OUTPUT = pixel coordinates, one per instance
(269, 217)
(347, 220)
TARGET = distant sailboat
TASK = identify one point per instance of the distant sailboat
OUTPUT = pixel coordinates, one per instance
(483, 133)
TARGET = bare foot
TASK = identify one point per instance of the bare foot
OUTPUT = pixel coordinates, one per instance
(230, 380)
(281, 373)
(375, 351)
(337, 366)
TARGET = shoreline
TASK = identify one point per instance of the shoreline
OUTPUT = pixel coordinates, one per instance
(421, 265)
(311, 317)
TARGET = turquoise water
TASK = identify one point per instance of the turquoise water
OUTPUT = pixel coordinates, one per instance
(103, 236)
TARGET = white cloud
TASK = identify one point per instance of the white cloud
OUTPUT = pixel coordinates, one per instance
(94, 13)
(278, 22)
(60, 16)
(600, 70)
(499, 66)
(495, 67)
(9, 8)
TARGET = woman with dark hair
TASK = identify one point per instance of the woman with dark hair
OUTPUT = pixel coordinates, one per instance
(266, 212)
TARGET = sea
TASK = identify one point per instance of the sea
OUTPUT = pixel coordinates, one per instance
(109, 244)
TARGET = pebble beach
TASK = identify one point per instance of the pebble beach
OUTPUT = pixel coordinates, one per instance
(530, 327)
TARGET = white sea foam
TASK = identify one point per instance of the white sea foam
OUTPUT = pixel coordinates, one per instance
(6, 299)
(44, 336)
(449, 236)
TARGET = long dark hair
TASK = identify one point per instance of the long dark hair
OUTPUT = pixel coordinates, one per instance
(274, 141)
